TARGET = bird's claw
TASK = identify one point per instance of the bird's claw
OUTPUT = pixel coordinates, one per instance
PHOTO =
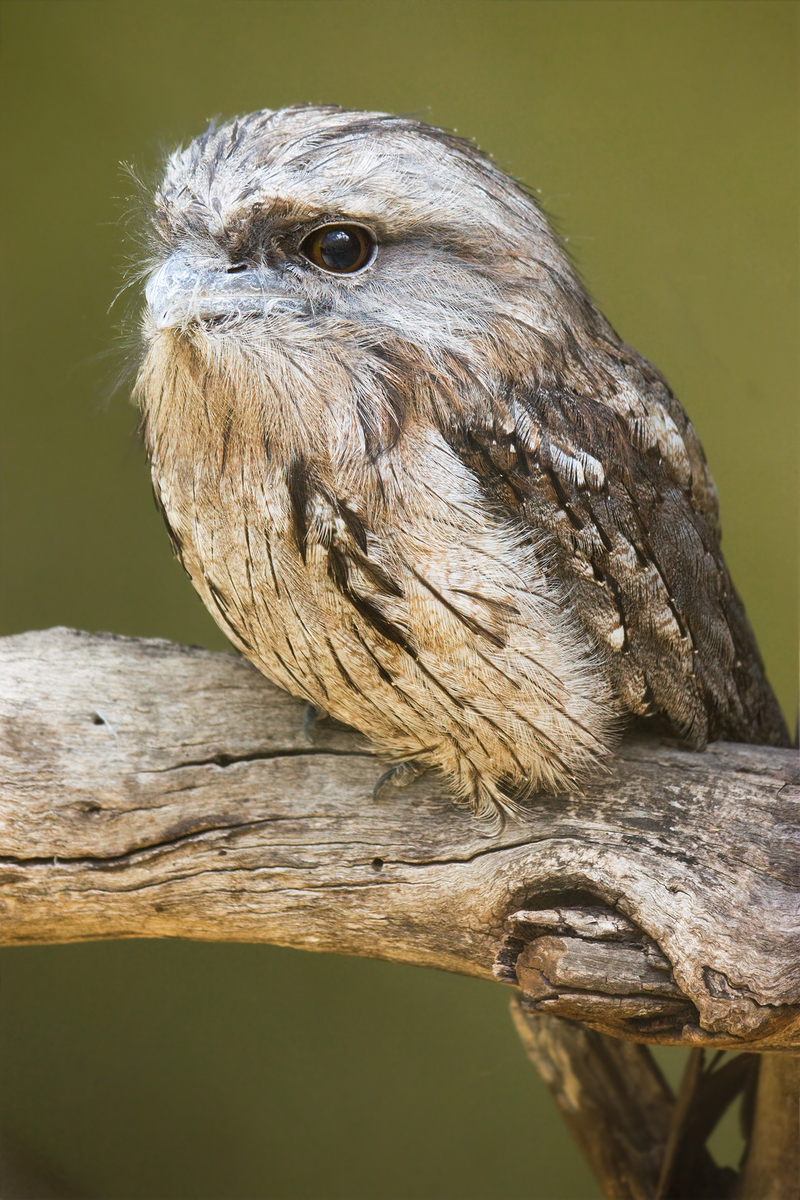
(311, 715)
(398, 776)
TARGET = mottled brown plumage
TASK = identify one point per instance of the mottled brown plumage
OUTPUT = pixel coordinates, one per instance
(437, 496)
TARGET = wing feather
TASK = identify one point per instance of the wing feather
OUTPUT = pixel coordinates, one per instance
(628, 511)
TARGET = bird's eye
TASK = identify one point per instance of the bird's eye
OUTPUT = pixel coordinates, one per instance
(342, 249)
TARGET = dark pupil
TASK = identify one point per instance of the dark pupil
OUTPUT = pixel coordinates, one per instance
(339, 250)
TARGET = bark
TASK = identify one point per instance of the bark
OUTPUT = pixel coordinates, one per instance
(772, 1167)
(153, 790)
(612, 1096)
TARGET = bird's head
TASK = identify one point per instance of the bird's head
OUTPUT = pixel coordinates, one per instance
(310, 263)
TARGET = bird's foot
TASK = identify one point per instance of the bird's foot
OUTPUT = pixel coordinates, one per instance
(398, 776)
(311, 718)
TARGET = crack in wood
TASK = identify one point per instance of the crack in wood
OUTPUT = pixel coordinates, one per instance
(230, 760)
(672, 884)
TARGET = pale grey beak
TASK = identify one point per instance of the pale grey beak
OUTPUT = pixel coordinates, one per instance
(189, 287)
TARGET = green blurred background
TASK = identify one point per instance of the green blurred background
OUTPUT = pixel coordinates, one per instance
(662, 138)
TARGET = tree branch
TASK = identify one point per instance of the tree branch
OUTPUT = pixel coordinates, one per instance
(772, 1167)
(153, 790)
(611, 1095)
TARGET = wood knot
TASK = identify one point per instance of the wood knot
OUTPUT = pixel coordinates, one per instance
(592, 964)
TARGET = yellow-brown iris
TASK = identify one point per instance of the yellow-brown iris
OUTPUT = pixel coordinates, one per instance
(342, 249)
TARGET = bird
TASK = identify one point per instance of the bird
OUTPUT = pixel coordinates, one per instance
(415, 475)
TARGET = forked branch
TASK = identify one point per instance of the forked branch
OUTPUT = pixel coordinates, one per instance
(154, 790)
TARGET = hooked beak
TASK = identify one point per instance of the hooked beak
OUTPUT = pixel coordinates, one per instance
(189, 288)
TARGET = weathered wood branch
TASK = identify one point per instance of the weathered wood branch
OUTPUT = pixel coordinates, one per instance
(612, 1096)
(641, 1142)
(153, 790)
